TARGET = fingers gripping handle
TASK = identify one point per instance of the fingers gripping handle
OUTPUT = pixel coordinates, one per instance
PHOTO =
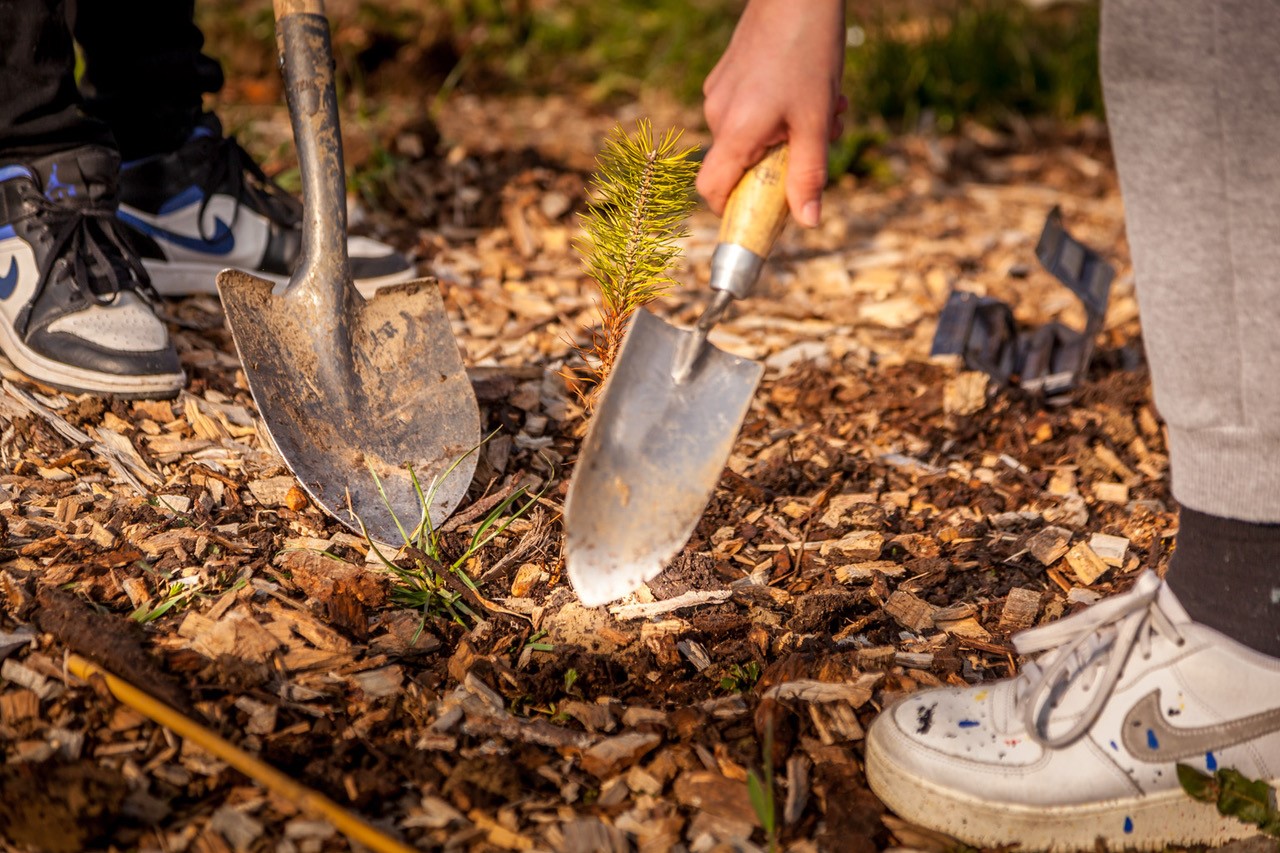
(753, 218)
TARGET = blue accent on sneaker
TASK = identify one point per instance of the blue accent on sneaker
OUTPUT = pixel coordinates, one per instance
(223, 241)
(191, 195)
(15, 171)
(9, 281)
(6, 231)
(55, 189)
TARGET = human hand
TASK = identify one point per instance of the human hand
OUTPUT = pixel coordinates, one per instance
(778, 81)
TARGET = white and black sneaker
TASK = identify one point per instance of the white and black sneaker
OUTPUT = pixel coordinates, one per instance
(76, 310)
(207, 206)
(1079, 752)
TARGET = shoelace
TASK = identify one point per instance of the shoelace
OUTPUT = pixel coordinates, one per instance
(83, 232)
(1100, 639)
(230, 162)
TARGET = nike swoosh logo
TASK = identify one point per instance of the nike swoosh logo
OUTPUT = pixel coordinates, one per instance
(223, 241)
(1149, 736)
(9, 281)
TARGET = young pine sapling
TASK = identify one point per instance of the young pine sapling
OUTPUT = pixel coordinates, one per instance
(643, 191)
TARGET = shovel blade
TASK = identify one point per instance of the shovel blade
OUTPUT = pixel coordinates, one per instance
(651, 459)
(359, 398)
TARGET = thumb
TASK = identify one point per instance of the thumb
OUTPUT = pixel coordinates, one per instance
(807, 174)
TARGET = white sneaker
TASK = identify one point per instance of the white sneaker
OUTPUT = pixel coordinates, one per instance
(207, 206)
(1083, 744)
(75, 307)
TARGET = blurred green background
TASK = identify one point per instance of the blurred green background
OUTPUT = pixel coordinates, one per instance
(908, 61)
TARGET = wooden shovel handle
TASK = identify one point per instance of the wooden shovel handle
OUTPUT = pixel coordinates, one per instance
(284, 8)
(757, 207)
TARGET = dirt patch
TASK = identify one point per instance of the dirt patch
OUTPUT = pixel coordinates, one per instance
(59, 808)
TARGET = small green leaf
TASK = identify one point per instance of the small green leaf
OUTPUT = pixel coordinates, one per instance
(1236, 795)
(761, 801)
(1250, 800)
(1199, 786)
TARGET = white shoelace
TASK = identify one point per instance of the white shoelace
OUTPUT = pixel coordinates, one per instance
(1102, 637)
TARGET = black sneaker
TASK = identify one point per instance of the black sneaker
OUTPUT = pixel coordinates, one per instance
(208, 206)
(76, 310)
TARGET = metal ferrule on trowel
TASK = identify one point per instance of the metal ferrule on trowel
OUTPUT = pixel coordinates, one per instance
(753, 218)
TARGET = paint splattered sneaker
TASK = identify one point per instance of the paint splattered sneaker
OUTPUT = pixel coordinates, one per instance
(75, 305)
(208, 206)
(1083, 744)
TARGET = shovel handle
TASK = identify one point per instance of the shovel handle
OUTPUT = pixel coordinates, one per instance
(306, 60)
(757, 207)
(285, 8)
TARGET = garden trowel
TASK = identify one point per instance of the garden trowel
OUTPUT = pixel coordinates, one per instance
(367, 401)
(669, 414)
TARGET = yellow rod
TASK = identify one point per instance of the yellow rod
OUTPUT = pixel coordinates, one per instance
(312, 802)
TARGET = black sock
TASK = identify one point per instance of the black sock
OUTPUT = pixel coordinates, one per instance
(1226, 573)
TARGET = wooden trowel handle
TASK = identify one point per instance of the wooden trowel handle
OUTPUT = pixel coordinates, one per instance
(757, 207)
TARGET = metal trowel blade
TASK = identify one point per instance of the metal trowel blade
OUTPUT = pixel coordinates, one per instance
(653, 454)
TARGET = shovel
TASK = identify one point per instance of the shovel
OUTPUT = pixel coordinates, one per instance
(367, 400)
(668, 415)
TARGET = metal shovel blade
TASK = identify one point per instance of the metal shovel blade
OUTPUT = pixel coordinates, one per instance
(651, 459)
(350, 417)
(360, 397)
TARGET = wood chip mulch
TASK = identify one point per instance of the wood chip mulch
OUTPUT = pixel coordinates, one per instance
(885, 524)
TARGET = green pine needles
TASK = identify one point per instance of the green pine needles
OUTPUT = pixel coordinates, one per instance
(644, 193)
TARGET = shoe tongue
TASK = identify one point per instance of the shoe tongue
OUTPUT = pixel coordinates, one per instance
(86, 174)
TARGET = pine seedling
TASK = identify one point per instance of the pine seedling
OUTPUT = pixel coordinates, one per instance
(643, 190)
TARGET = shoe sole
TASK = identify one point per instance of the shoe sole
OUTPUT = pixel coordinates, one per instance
(1155, 821)
(191, 278)
(79, 380)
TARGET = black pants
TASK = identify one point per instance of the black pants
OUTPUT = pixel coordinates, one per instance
(143, 80)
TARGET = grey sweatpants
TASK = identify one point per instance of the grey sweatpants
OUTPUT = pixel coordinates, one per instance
(1192, 91)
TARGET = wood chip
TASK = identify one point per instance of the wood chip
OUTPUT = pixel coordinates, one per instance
(965, 393)
(238, 828)
(379, 683)
(1087, 565)
(911, 612)
(1116, 493)
(615, 754)
(798, 767)
(1111, 549)
(836, 723)
(18, 706)
(857, 510)
(635, 716)
(25, 676)
(855, 693)
(1049, 545)
(1020, 609)
(966, 627)
(658, 608)
(858, 545)
(715, 794)
(273, 491)
(696, 654)
(859, 572)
